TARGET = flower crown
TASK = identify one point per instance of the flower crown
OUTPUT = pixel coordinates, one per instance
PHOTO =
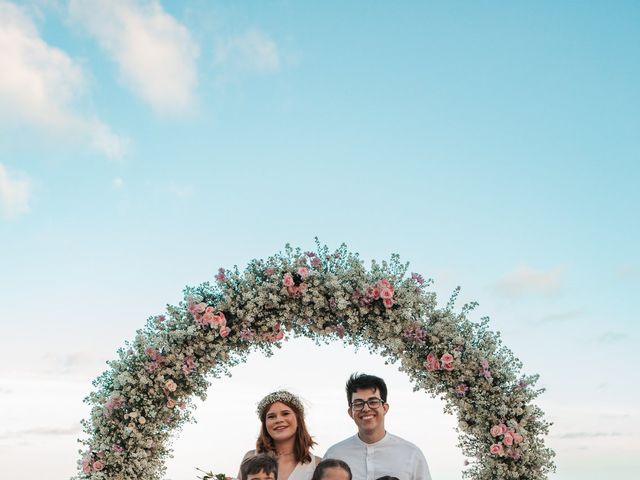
(279, 396)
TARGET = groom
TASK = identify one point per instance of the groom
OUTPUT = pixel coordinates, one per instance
(373, 452)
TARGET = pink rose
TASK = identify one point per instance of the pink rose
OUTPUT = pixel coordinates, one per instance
(518, 438)
(375, 293)
(384, 283)
(86, 465)
(287, 280)
(508, 439)
(388, 302)
(503, 427)
(98, 465)
(170, 385)
(225, 331)
(431, 358)
(209, 309)
(496, 430)
(386, 292)
(315, 262)
(448, 366)
(447, 358)
(200, 307)
(496, 449)
(303, 271)
(207, 318)
(279, 335)
(171, 403)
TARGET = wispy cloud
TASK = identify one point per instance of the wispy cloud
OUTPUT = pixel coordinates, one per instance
(253, 51)
(40, 83)
(611, 337)
(627, 272)
(41, 431)
(155, 53)
(561, 317)
(117, 183)
(526, 280)
(182, 191)
(15, 192)
(572, 435)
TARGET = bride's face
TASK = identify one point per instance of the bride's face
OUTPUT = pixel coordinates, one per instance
(281, 422)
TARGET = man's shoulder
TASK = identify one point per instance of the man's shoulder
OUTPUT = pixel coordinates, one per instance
(346, 443)
(395, 439)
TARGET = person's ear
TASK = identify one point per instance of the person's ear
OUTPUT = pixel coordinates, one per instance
(386, 407)
(349, 412)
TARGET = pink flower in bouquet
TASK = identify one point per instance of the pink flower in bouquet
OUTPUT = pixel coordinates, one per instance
(375, 293)
(315, 262)
(384, 283)
(518, 438)
(303, 272)
(279, 335)
(207, 318)
(503, 427)
(431, 358)
(447, 358)
(448, 366)
(171, 403)
(287, 280)
(418, 278)
(387, 302)
(170, 385)
(508, 439)
(513, 453)
(496, 430)
(461, 389)
(86, 465)
(496, 449)
(117, 448)
(340, 331)
(209, 309)
(386, 292)
(225, 331)
(98, 465)
(200, 307)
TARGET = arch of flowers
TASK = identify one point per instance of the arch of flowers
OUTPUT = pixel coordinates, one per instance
(146, 393)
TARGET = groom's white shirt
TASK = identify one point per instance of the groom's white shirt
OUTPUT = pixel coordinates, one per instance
(392, 456)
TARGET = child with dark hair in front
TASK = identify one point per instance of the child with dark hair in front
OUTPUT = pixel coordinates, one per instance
(332, 469)
(373, 452)
(259, 467)
(387, 477)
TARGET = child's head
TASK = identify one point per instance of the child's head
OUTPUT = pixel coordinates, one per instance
(260, 467)
(332, 469)
(387, 477)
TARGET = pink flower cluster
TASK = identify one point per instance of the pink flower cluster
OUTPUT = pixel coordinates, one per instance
(381, 290)
(415, 333)
(484, 369)
(313, 259)
(419, 279)
(295, 283)
(90, 464)
(188, 364)
(156, 359)
(112, 404)
(278, 334)
(203, 314)
(461, 389)
(221, 276)
(509, 439)
(445, 363)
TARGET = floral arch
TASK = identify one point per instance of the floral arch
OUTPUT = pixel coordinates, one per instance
(146, 393)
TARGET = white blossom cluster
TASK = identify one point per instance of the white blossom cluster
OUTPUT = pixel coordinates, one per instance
(145, 396)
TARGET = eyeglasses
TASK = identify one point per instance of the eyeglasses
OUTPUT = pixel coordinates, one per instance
(372, 402)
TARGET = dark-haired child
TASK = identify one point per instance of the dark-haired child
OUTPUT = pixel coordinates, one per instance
(259, 467)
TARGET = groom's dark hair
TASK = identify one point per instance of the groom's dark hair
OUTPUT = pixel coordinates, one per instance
(359, 381)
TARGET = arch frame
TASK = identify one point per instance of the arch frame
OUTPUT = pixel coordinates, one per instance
(146, 394)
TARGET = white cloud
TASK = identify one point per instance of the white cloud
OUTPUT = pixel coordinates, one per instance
(182, 191)
(14, 194)
(526, 280)
(155, 53)
(118, 183)
(39, 84)
(253, 50)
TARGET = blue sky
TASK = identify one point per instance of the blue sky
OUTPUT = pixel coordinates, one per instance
(493, 145)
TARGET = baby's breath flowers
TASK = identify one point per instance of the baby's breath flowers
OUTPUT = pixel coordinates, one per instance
(146, 393)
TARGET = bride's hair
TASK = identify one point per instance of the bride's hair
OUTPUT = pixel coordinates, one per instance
(303, 441)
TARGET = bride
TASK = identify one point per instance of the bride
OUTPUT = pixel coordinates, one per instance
(284, 434)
